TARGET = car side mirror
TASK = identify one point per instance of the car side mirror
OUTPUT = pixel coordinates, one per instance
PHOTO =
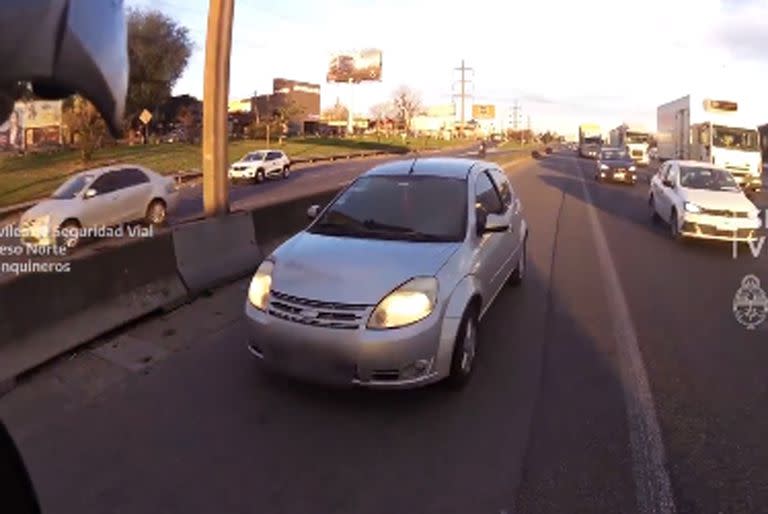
(313, 211)
(90, 193)
(667, 183)
(481, 220)
(495, 223)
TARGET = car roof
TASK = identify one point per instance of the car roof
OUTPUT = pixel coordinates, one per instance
(112, 167)
(447, 167)
(612, 149)
(265, 150)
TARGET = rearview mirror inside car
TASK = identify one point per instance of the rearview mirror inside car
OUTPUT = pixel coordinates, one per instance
(90, 193)
(313, 211)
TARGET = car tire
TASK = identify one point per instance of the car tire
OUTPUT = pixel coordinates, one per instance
(674, 229)
(286, 171)
(260, 177)
(518, 275)
(655, 218)
(464, 350)
(69, 240)
(157, 213)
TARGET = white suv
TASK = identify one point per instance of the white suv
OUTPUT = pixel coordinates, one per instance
(260, 165)
(700, 200)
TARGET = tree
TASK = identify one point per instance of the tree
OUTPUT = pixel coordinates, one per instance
(86, 125)
(159, 50)
(338, 112)
(407, 103)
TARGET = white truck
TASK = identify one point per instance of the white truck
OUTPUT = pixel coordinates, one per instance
(713, 130)
(635, 139)
(590, 140)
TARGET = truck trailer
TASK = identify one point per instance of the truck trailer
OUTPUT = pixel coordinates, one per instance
(714, 130)
(635, 139)
(590, 140)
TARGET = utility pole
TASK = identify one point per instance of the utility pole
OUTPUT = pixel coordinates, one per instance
(215, 118)
(463, 94)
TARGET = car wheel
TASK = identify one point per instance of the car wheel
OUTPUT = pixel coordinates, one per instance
(655, 218)
(157, 213)
(286, 171)
(259, 178)
(522, 261)
(69, 234)
(464, 351)
(674, 228)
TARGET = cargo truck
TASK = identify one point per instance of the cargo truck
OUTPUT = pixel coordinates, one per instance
(635, 139)
(590, 140)
(714, 130)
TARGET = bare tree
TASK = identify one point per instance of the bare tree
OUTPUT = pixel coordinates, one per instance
(338, 112)
(407, 104)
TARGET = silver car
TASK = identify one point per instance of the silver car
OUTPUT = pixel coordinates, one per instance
(387, 285)
(96, 199)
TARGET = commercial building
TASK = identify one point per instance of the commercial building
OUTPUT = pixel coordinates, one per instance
(32, 124)
(298, 101)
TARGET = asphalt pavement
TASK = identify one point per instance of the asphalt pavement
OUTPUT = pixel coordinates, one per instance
(616, 379)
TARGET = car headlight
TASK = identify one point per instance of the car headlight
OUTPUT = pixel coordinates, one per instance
(261, 283)
(409, 303)
(692, 207)
(604, 167)
(632, 168)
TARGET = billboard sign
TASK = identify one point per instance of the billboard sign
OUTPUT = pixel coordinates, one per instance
(484, 112)
(41, 113)
(361, 66)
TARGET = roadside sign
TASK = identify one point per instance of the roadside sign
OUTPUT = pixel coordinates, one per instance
(145, 116)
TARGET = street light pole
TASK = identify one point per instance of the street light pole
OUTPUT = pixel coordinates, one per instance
(216, 92)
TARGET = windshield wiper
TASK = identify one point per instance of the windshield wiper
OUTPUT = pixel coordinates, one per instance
(402, 231)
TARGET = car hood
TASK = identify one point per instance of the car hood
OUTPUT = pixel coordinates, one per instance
(719, 200)
(56, 209)
(617, 164)
(352, 270)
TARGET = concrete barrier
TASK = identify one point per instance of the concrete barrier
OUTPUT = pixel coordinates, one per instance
(213, 251)
(43, 315)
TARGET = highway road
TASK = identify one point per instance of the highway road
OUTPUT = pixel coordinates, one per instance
(616, 379)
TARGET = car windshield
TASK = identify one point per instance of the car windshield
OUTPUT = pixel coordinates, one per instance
(613, 155)
(707, 178)
(735, 138)
(72, 187)
(255, 156)
(412, 208)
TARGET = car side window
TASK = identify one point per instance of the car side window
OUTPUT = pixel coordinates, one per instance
(502, 185)
(106, 183)
(130, 177)
(272, 156)
(486, 195)
(672, 174)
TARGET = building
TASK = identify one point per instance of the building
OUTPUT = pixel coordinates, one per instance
(32, 124)
(298, 101)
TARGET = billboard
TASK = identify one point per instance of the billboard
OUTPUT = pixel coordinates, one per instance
(41, 113)
(361, 66)
(11, 130)
(484, 112)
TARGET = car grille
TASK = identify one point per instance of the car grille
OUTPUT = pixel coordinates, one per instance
(710, 230)
(316, 313)
(725, 213)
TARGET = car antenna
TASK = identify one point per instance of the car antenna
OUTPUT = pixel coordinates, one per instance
(413, 165)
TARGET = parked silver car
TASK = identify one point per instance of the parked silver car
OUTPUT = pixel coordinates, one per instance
(388, 284)
(96, 199)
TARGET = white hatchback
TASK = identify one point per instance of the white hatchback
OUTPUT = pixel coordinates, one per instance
(700, 200)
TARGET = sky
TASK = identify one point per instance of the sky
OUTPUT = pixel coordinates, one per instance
(567, 62)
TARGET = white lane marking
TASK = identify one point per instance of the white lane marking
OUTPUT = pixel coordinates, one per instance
(652, 485)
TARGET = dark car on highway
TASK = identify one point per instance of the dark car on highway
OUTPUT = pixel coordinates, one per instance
(615, 165)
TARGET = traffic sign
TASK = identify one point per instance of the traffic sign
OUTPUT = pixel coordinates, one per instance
(145, 116)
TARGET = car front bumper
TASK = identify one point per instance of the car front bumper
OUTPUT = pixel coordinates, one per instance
(399, 358)
(701, 226)
(625, 178)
